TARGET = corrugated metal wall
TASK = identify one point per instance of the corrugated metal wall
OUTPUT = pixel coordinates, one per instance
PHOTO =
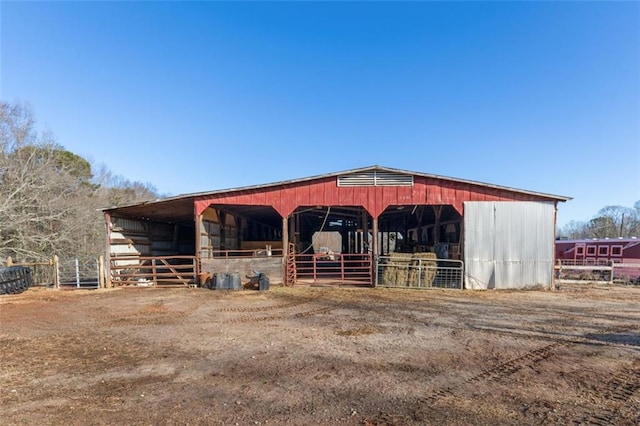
(508, 244)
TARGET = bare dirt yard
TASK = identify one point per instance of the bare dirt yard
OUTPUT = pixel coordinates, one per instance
(321, 356)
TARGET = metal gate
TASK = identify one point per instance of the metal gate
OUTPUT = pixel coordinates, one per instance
(330, 269)
(419, 273)
(79, 273)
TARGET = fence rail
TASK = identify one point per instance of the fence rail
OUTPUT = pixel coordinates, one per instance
(263, 252)
(339, 269)
(609, 272)
(156, 271)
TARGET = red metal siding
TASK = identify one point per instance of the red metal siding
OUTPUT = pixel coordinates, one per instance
(375, 199)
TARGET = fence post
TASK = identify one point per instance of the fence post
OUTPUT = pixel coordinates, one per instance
(77, 273)
(9, 261)
(611, 275)
(101, 276)
(56, 272)
(153, 272)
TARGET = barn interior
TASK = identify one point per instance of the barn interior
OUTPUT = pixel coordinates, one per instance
(232, 229)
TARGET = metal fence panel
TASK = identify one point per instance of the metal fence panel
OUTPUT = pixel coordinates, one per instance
(419, 273)
(79, 273)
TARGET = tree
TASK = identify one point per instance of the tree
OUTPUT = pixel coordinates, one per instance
(615, 221)
(609, 222)
(49, 198)
(43, 189)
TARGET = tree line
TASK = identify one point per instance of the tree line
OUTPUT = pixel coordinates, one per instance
(50, 198)
(609, 222)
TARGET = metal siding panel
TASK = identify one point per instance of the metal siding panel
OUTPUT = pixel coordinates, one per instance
(523, 242)
(330, 192)
(478, 245)
(419, 192)
(405, 194)
(348, 198)
(434, 194)
(305, 195)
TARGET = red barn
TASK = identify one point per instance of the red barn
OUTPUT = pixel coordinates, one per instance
(497, 236)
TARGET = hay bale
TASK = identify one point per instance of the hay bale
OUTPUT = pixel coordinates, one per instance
(425, 264)
(389, 274)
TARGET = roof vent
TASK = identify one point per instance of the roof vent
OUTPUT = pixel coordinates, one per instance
(375, 178)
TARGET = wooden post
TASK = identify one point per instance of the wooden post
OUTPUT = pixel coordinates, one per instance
(419, 211)
(107, 271)
(198, 243)
(365, 232)
(101, 276)
(285, 248)
(154, 272)
(436, 230)
(285, 237)
(9, 261)
(374, 255)
(375, 251)
(611, 275)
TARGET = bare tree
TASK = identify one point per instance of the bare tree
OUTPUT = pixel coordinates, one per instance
(615, 221)
(610, 222)
(574, 230)
(43, 189)
(49, 198)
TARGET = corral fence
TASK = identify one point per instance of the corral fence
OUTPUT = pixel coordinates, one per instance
(153, 271)
(579, 271)
(79, 273)
(67, 273)
(419, 271)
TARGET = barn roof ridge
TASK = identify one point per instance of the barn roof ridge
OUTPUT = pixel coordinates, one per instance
(339, 173)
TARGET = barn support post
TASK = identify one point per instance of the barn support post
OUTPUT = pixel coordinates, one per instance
(365, 232)
(198, 243)
(436, 230)
(285, 237)
(107, 223)
(419, 212)
(375, 238)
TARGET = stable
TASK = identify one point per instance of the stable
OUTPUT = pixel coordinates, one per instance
(369, 226)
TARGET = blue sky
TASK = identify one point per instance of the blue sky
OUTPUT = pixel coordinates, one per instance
(197, 96)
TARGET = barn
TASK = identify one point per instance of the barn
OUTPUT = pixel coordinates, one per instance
(368, 226)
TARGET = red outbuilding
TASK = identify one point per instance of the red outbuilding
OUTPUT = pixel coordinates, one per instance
(349, 227)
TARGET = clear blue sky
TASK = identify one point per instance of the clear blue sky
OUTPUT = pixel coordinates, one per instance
(198, 96)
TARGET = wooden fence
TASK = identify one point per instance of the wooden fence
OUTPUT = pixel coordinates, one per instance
(153, 271)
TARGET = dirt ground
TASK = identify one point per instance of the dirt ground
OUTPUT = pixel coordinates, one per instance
(321, 356)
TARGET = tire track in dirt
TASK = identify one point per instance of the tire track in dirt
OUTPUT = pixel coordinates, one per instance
(617, 391)
(500, 371)
(578, 340)
(264, 308)
(255, 318)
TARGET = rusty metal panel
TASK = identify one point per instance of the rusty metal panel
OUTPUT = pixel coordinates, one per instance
(509, 244)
